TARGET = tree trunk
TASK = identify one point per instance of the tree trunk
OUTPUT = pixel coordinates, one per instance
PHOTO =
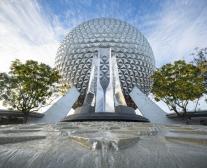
(26, 114)
(196, 105)
(185, 117)
(184, 112)
(175, 110)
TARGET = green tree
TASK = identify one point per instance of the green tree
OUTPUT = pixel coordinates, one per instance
(177, 84)
(27, 86)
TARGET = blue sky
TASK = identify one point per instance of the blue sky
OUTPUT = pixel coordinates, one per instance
(33, 29)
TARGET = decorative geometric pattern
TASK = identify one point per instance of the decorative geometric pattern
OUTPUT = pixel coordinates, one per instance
(134, 55)
(104, 69)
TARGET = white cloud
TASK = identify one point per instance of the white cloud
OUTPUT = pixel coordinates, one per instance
(179, 28)
(174, 29)
(26, 33)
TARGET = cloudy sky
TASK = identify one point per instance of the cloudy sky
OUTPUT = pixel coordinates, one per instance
(33, 29)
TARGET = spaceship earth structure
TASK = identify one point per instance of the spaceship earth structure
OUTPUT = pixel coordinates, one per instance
(133, 53)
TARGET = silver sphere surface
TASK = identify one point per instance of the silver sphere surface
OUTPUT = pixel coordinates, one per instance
(134, 55)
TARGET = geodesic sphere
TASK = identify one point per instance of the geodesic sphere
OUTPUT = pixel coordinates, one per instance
(133, 53)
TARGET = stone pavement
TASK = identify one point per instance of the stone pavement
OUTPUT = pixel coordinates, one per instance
(102, 144)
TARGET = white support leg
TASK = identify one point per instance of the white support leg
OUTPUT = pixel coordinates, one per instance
(60, 109)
